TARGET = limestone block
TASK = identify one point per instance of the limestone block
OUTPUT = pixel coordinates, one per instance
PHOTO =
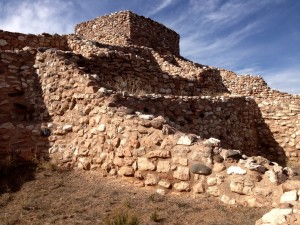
(161, 191)
(198, 188)
(218, 167)
(212, 142)
(180, 161)
(163, 166)
(289, 196)
(185, 140)
(146, 117)
(101, 127)
(126, 171)
(182, 186)
(182, 173)
(236, 170)
(151, 179)
(213, 190)
(211, 181)
(164, 183)
(237, 185)
(159, 154)
(228, 200)
(67, 128)
(145, 164)
(276, 216)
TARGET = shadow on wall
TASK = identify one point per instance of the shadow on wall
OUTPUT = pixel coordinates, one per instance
(23, 121)
(237, 122)
(136, 71)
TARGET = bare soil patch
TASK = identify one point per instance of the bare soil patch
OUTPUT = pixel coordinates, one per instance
(73, 197)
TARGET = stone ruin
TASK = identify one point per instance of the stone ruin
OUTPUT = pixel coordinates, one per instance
(117, 98)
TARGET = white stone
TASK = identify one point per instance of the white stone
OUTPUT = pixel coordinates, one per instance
(102, 127)
(228, 200)
(236, 170)
(161, 191)
(67, 127)
(289, 196)
(146, 117)
(276, 216)
(212, 142)
(3, 42)
(94, 131)
(185, 140)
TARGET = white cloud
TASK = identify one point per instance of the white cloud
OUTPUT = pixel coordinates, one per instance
(160, 7)
(51, 16)
(286, 80)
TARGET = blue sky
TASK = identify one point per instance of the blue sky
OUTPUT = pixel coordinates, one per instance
(258, 37)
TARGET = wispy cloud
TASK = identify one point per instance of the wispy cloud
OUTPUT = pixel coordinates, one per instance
(162, 5)
(52, 16)
(286, 80)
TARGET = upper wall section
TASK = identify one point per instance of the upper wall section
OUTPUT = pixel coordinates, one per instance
(13, 41)
(127, 28)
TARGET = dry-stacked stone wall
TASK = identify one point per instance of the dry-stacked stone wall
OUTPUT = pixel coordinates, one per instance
(12, 41)
(144, 71)
(123, 103)
(22, 110)
(157, 141)
(280, 111)
(71, 96)
(127, 28)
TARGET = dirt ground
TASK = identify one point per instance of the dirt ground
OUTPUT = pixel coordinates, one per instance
(73, 197)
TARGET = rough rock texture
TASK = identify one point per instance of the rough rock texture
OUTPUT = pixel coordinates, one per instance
(141, 111)
(127, 28)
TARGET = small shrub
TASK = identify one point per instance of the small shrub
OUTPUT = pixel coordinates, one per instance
(123, 219)
(46, 166)
(154, 217)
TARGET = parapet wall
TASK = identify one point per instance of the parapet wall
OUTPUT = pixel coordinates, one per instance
(126, 28)
(280, 111)
(12, 41)
(144, 71)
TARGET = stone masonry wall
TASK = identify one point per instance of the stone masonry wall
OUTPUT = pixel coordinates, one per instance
(143, 71)
(11, 41)
(71, 98)
(22, 110)
(127, 28)
(158, 141)
(281, 111)
(135, 111)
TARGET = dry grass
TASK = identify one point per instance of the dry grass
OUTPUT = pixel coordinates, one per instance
(57, 197)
